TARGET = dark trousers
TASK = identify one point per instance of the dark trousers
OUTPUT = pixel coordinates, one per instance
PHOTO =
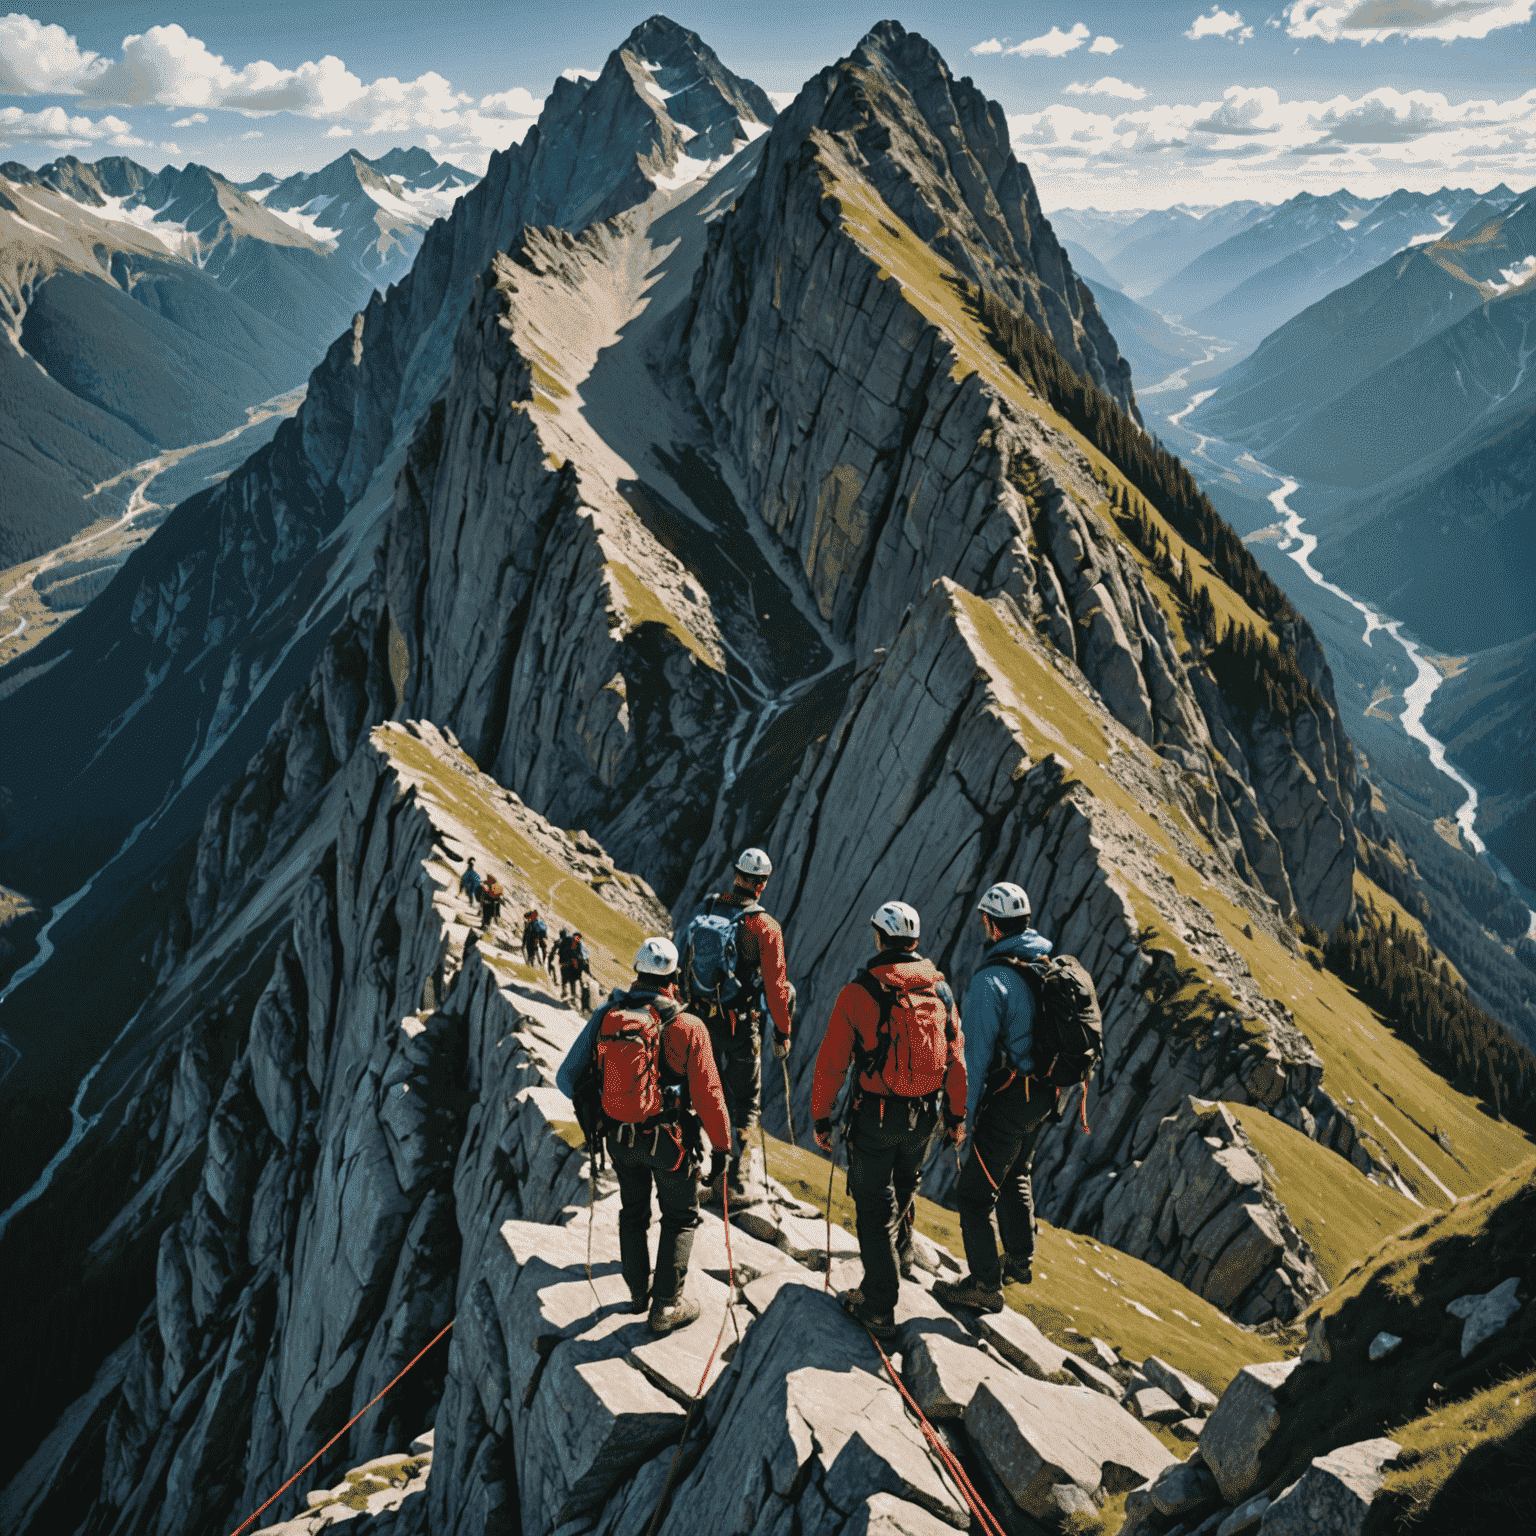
(1003, 1139)
(888, 1143)
(654, 1159)
(738, 1060)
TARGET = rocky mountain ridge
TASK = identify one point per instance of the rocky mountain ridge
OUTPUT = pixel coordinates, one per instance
(724, 515)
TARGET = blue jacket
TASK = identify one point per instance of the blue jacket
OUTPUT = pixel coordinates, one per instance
(469, 882)
(999, 1007)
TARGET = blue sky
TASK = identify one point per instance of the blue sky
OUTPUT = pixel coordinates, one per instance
(1116, 103)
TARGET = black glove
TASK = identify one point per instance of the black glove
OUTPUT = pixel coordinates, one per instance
(823, 1130)
(717, 1161)
(780, 1046)
(954, 1129)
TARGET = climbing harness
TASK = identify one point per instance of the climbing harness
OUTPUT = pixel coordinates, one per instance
(249, 1519)
(698, 1397)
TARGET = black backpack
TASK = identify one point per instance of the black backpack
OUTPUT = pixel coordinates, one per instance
(1068, 1028)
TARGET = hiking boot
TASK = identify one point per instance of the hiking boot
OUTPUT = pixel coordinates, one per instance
(881, 1324)
(667, 1316)
(1017, 1272)
(969, 1293)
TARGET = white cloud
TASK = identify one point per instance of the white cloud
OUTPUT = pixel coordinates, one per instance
(992, 45)
(336, 131)
(1373, 21)
(39, 60)
(1106, 85)
(1219, 23)
(255, 133)
(57, 128)
(574, 75)
(514, 103)
(165, 66)
(1104, 45)
(781, 99)
(1052, 44)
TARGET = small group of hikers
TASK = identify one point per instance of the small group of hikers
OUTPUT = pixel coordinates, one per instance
(484, 889)
(679, 1052)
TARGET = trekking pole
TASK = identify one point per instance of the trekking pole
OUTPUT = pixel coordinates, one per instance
(789, 1114)
(826, 1281)
(591, 1213)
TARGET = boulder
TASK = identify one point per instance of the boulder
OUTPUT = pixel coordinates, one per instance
(1485, 1315)
(1095, 1378)
(1154, 1405)
(883, 1514)
(1383, 1345)
(1245, 1517)
(1034, 1435)
(1241, 1425)
(1021, 1343)
(1334, 1495)
(1181, 1488)
(1187, 1429)
(1195, 1396)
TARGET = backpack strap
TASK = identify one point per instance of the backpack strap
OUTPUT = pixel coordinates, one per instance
(871, 1062)
(1030, 972)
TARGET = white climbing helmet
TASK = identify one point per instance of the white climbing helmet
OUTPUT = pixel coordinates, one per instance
(1005, 899)
(898, 920)
(756, 863)
(656, 957)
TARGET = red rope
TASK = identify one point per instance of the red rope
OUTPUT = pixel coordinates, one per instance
(334, 1438)
(951, 1462)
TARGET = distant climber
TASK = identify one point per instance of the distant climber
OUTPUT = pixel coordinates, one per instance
(897, 1022)
(653, 1071)
(491, 895)
(552, 965)
(733, 972)
(535, 937)
(1006, 1109)
(575, 966)
(469, 881)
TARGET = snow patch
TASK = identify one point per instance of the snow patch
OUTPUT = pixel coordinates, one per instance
(171, 235)
(687, 169)
(753, 130)
(305, 219)
(1514, 276)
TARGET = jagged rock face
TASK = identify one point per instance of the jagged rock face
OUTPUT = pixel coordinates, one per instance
(239, 581)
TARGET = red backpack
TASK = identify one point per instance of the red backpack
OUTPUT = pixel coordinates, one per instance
(912, 1036)
(629, 1048)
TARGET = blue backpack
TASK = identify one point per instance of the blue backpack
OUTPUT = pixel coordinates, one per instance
(709, 953)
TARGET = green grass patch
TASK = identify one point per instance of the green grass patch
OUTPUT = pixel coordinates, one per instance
(1081, 1289)
(642, 606)
(1339, 1211)
(1403, 1288)
(612, 935)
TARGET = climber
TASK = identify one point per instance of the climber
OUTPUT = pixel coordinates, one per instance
(535, 932)
(1006, 1109)
(558, 948)
(897, 1021)
(574, 964)
(733, 972)
(653, 1070)
(469, 881)
(490, 902)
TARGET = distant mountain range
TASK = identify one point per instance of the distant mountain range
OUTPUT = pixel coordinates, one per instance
(1410, 390)
(1241, 270)
(147, 311)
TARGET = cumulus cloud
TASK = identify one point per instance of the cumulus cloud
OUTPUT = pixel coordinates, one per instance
(165, 66)
(992, 45)
(58, 129)
(255, 133)
(1103, 45)
(1386, 136)
(1373, 21)
(1106, 85)
(1227, 24)
(187, 122)
(1052, 44)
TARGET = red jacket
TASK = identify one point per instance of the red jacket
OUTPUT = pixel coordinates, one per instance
(856, 1016)
(691, 1057)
